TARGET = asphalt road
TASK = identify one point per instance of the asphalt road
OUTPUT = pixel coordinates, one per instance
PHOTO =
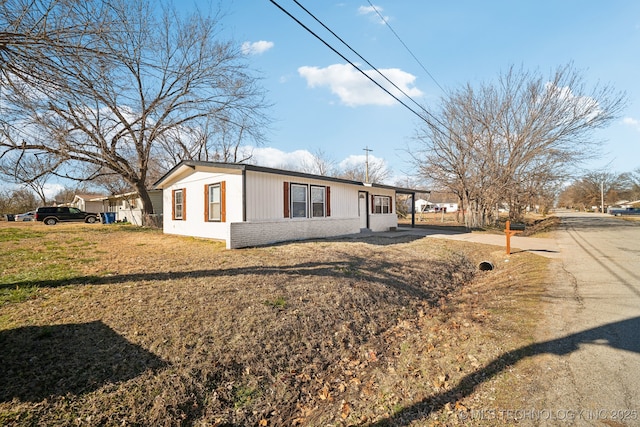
(589, 343)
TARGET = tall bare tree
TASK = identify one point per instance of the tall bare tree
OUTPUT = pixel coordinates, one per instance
(377, 170)
(29, 170)
(319, 164)
(122, 88)
(512, 140)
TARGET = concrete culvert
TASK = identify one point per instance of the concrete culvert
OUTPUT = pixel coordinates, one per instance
(485, 266)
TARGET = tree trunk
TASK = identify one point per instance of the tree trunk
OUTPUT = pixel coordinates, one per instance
(147, 206)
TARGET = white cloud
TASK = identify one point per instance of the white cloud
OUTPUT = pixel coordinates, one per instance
(50, 190)
(583, 106)
(302, 160)
(356, 160)
(274, 158)
(374, 13)
(354, 89)
(256, 48)
(630, 121)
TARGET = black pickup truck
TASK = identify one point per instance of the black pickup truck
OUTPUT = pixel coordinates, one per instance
(53, 215)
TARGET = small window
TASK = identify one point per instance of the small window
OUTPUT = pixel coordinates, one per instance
(298, 201)
(215, 203)
(382, 204)
(178, 204)
(318, 201)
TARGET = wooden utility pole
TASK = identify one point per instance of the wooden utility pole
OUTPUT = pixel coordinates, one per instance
(366, 164)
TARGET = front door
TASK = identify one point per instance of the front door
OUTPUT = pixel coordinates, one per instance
(362, 210)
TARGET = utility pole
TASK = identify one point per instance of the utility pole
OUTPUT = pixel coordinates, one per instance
(601, 196)
(366, 164)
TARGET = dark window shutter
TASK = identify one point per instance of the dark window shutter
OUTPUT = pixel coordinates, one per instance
(173, 204)
(206, 202)
(184, 204)
(328, 201)
(286, 200)
(223, 201)
(391, 204)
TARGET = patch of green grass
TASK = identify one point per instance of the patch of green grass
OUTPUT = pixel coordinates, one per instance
(279, 302)
(39, 275)
(17, 234)
(350, 270)
(243, 396)
(17, 294)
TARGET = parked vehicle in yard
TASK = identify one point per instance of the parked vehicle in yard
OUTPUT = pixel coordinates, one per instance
(624, 211)
(53, 215)
(27, 216)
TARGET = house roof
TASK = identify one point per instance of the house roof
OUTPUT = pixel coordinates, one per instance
(87, 197)
(117, 196)
(187, 165)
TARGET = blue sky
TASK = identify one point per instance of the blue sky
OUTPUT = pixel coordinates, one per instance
(322, 103)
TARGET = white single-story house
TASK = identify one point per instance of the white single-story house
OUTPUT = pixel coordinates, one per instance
(88, 202)
(127, 207)
(422, 205)
(247, 205)
(446, 207)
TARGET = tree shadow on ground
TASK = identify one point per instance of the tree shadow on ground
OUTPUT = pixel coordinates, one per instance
(424, 283)
(623, 335)
(37, 362)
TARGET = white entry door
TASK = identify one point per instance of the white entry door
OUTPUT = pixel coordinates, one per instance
(362, 209)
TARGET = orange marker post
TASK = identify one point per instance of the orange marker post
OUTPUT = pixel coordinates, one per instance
(509, 232)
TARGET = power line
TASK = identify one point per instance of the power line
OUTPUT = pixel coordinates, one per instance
(286, 12)
(403, 44)
(357, 54)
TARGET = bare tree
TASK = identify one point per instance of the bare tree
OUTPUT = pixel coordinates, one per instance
(134, 79)
(587, 192)
(378, 171)
(17, 201)
(511, 141)
(631, 185)
(319, 164)
(29, 170)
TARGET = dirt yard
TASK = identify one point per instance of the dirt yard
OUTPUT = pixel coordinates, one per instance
(117, 325)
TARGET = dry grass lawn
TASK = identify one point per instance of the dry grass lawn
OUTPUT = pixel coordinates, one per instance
(117, 325)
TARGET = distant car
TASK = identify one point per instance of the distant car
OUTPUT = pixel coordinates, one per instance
(624, 211)
(27, 216)
(53, 215)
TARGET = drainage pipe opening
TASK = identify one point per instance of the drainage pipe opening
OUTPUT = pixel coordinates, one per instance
(485, 266)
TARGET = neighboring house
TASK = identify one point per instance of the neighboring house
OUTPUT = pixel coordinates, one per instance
(422, 205)
(446, 207)
(128, 206)
(443, 201)
(247, 205)
(88, 203)
(627, 204)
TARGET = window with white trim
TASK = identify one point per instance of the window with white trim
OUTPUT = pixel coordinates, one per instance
(382, 204)
(318, 201)
(298, 201)
(178, 204)
(215, 205)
